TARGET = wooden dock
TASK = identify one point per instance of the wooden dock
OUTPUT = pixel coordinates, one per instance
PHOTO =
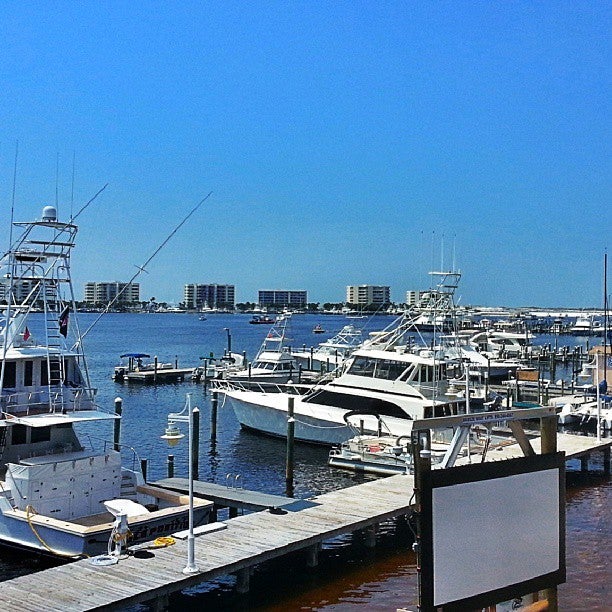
(238, 544)
(247, 541)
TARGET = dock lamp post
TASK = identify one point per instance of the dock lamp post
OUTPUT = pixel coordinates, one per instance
(173, 436)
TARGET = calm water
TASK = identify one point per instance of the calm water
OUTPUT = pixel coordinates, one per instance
(349, 575)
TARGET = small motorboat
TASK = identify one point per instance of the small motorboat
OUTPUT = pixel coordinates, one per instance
(317, 329)
(262, 320)
(134, 362)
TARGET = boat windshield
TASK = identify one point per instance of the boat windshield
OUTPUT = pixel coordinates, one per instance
(386, 369)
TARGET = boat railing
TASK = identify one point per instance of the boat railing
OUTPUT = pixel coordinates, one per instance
(62, 400)
(108, 445)
(222, 385)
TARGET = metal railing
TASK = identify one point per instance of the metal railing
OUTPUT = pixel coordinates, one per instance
(62, 401)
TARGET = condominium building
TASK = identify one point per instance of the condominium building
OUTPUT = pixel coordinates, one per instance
(103, 293)
(21, 289)
(281, 297)
(367, 295)
(211, 296)
(413, 298)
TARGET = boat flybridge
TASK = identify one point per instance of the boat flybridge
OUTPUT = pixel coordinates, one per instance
(58, 496)
(331, 353)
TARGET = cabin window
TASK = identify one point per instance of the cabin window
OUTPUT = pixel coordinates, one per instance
(389, 370)
(40, 434)
(28, 373)
(368, 405)
(362, 366)
(10, 374)
(19, 434)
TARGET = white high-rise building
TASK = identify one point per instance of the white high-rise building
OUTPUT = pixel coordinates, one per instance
(209, 295)
(367, 295)
(103, 293)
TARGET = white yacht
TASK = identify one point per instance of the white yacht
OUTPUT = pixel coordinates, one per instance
(57, 495)
(459, 346)
(387, 380)
(273, 363)
(586, 325)
(504, 344)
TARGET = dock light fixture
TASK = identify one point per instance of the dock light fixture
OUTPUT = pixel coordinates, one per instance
(173, 435)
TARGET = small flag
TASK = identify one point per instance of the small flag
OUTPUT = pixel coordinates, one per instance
(63, 322)
(26, 334)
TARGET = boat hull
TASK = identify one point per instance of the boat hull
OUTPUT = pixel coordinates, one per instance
(47, 536)
(267, 413)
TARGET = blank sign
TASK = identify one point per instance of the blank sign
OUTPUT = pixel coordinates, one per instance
(493, 533)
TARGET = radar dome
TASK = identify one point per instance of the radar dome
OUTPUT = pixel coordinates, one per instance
(49, 213)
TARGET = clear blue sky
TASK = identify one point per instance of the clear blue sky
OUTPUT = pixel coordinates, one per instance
(345, 142)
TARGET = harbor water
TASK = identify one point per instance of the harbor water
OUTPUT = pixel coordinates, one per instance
(350, 575)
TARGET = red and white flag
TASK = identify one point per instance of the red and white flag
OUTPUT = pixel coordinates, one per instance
(26, 334)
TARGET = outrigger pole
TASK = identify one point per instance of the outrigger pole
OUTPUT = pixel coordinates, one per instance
(145, 264)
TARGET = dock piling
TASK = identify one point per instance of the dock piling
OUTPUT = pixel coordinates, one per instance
(290, 447)
(214, 403)
(170, 464)
(117, 424)
(312, 555)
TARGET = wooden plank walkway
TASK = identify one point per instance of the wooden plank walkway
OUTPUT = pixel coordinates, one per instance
(247, 541)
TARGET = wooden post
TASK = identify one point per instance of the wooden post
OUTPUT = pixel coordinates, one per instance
(117, 424)
(584, 463)
(548, 431)
(213, 415)
(422, 465)
(170, 466)
(290, 447)
(143, 468)
(312, 559)
(196, 444)
(606, 460)
(243, 580)
(370, 536)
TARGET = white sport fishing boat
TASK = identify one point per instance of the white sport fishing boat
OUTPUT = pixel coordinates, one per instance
(56, 495)
(273, 363)
(387, 380)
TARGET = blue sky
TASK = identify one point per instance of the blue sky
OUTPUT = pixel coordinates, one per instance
(344, 142)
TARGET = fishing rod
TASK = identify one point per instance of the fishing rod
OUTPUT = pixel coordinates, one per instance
(142, 268)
